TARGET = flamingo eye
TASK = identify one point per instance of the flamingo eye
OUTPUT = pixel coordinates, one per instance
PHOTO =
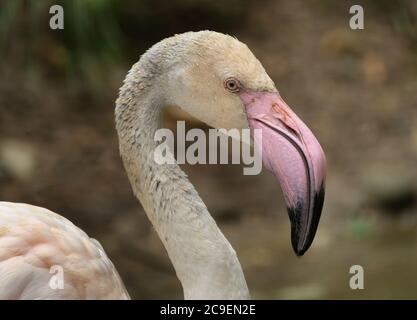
(232, 84)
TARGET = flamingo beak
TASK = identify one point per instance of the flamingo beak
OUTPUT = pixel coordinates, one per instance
(293, 154)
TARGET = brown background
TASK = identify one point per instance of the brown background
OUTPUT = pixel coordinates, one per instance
(355, 89)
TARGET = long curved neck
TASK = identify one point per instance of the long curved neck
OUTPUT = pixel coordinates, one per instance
(204, 260)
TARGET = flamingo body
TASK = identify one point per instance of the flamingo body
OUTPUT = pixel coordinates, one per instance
(33, 240)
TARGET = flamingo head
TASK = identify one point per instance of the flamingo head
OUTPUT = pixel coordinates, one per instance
(229, 88)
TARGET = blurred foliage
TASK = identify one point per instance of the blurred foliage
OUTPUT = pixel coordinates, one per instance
(403, 16)
(360, 227)
(400, 14)
(91, 35)
(102, 32)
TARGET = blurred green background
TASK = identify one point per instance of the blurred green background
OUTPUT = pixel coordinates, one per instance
(356, 89)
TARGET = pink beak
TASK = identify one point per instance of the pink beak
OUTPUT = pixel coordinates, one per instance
(293, 154)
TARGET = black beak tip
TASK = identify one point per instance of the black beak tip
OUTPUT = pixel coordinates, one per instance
(298, 248)
(301, 236)
(300, 252)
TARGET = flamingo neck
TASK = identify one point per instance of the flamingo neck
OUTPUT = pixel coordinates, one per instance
(203, 259)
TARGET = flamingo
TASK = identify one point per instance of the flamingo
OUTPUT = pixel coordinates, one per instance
(217, 79)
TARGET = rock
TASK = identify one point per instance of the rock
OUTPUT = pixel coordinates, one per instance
(17, 159)
(390, 190)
